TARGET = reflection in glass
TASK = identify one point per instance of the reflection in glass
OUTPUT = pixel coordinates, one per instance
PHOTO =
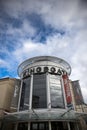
(39, 126)
(25, 94)
(39, 91)
(56, 92)
(57, 126)
(22, 126)
(35, 126)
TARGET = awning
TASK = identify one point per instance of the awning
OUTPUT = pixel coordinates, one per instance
(43, 115)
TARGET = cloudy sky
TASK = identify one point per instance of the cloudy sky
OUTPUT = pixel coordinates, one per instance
(31, 28)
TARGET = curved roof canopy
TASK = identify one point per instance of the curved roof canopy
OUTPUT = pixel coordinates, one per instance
(60, 61)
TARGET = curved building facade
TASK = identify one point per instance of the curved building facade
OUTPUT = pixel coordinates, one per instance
(45, 101)
(43, 83)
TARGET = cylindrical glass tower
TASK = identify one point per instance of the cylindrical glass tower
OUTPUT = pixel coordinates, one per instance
(45, 94)
(43, 83)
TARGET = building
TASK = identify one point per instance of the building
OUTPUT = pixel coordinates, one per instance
(44, 97)
(8, 88)
(9, 93)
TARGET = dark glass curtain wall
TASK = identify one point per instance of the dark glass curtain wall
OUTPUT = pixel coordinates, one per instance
(56, 92)
(39, 99)
(25, 94)
(39, 92)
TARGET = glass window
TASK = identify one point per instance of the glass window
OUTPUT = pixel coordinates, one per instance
(56, 92)
(35, 126)
(22, 126)
(25, 94)
(39, 126)
(57, 126)
(73, 126)
(39, 99)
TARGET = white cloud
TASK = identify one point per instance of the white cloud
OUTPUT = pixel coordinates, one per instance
(25, 29)
(70, 16)
(59, 14)
(53, 46)
(2, 63)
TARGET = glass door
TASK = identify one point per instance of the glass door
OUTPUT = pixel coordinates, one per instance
(39, 126)
(58, 126)
(22, 126)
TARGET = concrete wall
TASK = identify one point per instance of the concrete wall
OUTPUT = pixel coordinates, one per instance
(7, 87)
(15, 99)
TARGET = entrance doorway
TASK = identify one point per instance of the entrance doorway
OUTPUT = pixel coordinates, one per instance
(59, 126)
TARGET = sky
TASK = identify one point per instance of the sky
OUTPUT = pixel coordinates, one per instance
(30, 28)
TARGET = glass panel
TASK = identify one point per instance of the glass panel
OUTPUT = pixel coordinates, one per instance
(39, 126)
(59, 126)
(22, 126)
(65, 125)
(8, 126)
(39, 99)
(35, 126)
(25, 94)
(56, 92)
(73, 126)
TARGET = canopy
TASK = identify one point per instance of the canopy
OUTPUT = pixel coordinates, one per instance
(44, 115)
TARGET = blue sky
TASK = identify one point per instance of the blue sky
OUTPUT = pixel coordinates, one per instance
(31, 28)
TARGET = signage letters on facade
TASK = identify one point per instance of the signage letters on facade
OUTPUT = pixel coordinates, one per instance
(43, 69)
